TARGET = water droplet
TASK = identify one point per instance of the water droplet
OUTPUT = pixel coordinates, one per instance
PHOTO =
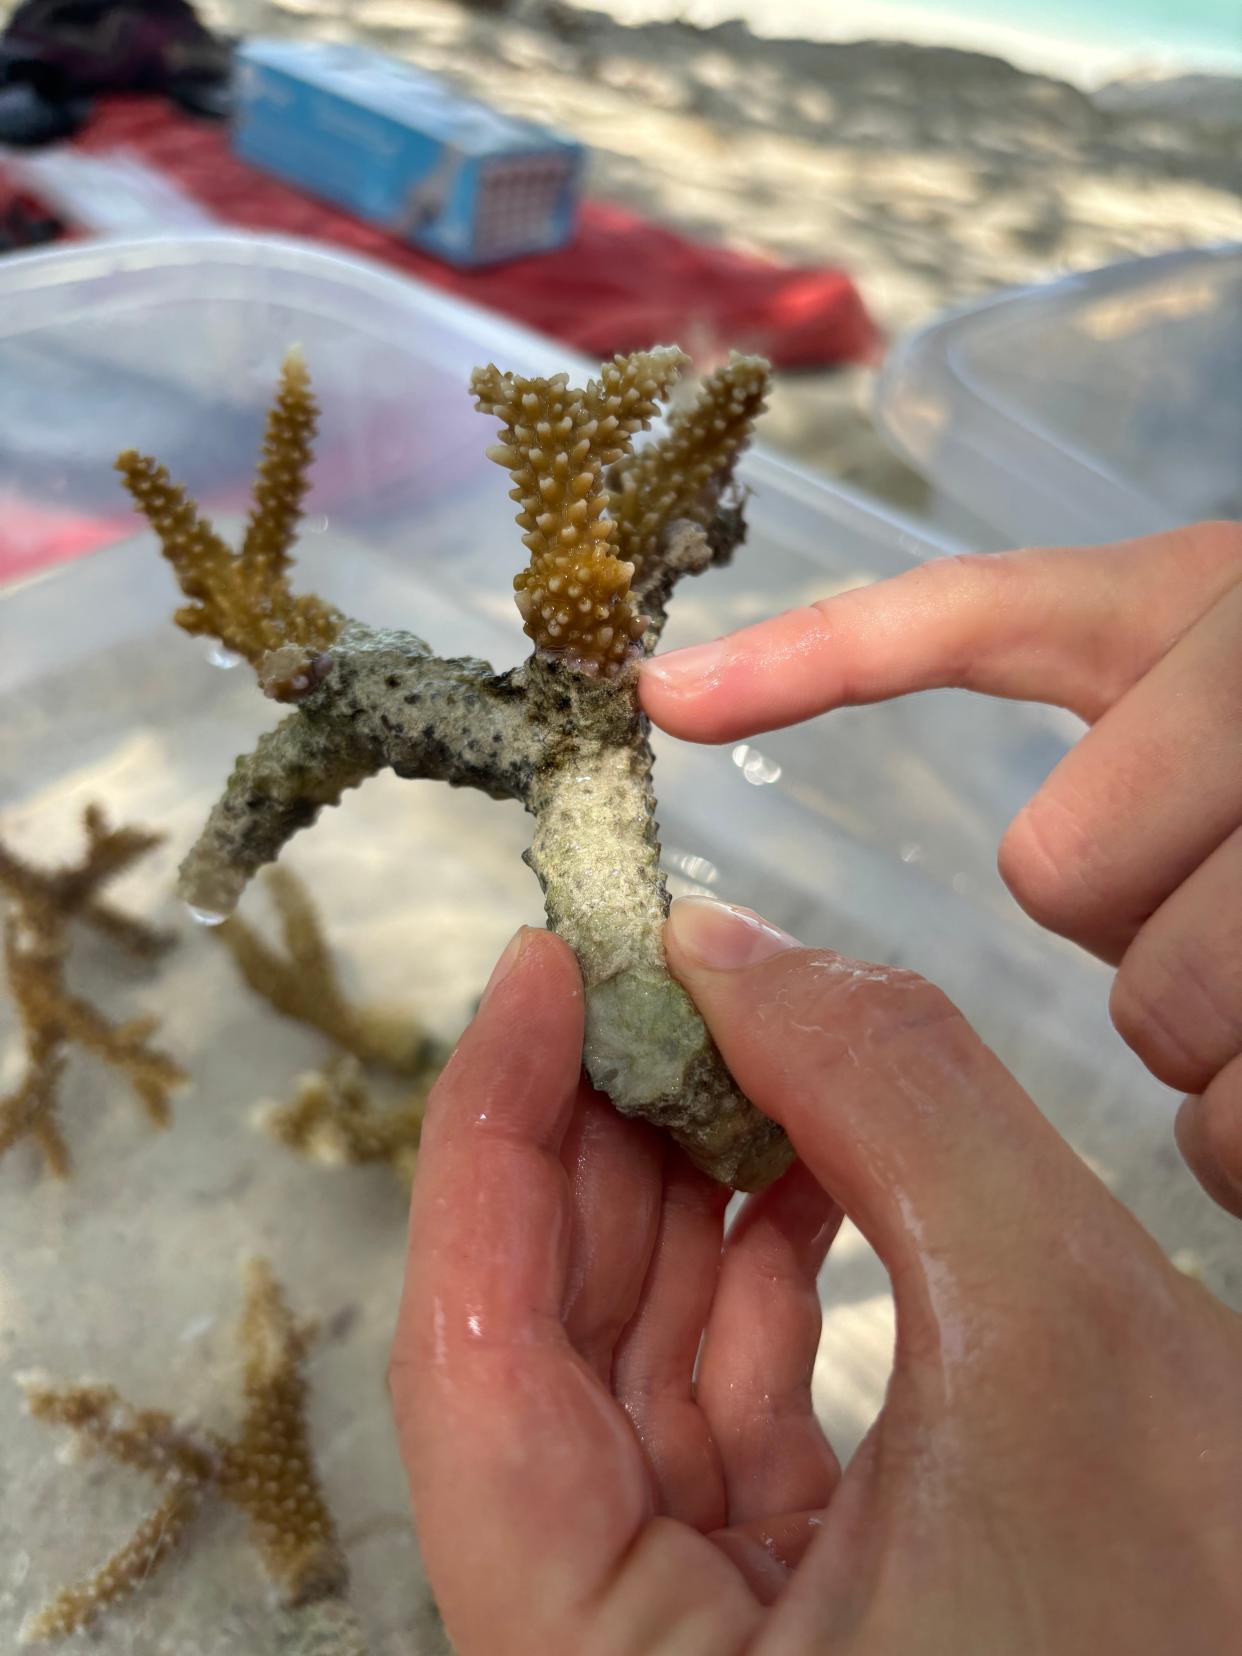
(756, 767)
(961, 883)
(699, 869)
(315, 525)
(206, 916)
(223, 658)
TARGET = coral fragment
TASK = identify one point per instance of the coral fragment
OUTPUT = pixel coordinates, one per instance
(573, 596)
(243, 599)
(562, 734)
(683, 474)
(303, 982)
(266, 1470)
(42, 903)
(333, 1119)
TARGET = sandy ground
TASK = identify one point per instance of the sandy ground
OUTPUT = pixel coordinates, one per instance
(932, 175)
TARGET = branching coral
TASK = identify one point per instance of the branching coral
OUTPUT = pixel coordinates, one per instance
(556, 443)
(41, 905)
(243, 599)
(333, 1116)
(303, 983)
(562, 733)
(334, 1119)
(265, 1469)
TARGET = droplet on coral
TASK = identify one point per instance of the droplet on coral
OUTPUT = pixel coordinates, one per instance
(206, 916)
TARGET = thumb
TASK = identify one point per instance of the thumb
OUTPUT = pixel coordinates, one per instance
(889, 1097)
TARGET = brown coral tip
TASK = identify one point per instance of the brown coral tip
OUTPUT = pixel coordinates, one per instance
(684, 474)
(574, 595)
(243, 599)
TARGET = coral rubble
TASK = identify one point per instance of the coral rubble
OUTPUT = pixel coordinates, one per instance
(265, 1468)
(40, 906)
(609, 533)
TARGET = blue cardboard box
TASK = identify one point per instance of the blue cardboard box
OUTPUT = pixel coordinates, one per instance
(401, 148)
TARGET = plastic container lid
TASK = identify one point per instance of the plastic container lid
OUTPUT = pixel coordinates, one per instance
(872, 831)
(1089, 409)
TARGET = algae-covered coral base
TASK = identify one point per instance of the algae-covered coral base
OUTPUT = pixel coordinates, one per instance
(562, 733)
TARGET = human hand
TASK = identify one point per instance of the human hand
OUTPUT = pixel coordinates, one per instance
(1058, 1462)
(1133, 846)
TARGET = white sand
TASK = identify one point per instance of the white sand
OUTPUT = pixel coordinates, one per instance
(932, 175)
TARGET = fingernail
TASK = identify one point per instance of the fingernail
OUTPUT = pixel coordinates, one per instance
(681, 668)
(724, 938)
(503, 966)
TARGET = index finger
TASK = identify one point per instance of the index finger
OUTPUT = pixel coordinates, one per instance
(526, 1481)
(1074, 627)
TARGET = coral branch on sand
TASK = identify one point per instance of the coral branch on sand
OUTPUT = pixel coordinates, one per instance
(333, 1119)
(303, 982)
(562, 733)
(41, 905)
(265, 1469)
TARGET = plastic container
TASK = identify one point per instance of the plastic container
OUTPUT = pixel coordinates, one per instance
(1103, 405)
(873, 831)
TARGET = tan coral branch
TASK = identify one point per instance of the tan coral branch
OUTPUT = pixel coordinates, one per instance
(52, 1016)
(243, 599)
(555, 443)
(283, 475)
(333, 1118)
(303, 983)
(71, 892)
(155, 1539)
(42, 904)
(683, 475)
(266, 1469)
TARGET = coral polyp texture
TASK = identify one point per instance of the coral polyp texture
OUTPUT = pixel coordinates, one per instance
(265, 1468)
(40, 907)
(556, 443)
(609, 532)
(243, 599)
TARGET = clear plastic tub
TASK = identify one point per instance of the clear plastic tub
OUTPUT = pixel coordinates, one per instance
(1088, 409)
(873, 831)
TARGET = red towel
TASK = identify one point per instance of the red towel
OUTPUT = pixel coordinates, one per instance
(623, 283)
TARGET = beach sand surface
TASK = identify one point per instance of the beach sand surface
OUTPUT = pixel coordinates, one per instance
(933, 175)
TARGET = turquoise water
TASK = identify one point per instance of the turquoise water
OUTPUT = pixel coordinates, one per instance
(1195, 30)
(1078, 38)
